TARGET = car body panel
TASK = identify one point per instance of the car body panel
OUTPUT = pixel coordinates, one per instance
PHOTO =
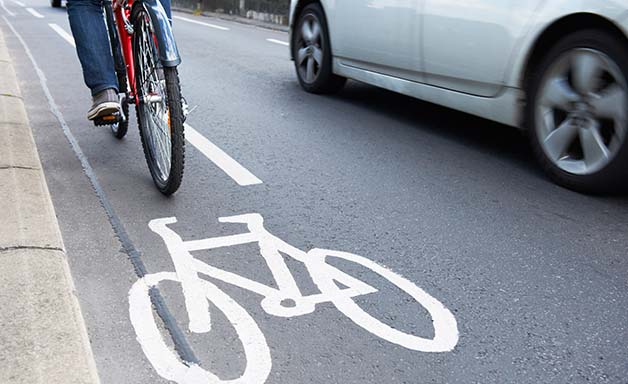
(503, 108)
(467, 44)
(448, 68)
(615, 11)
(385, 33)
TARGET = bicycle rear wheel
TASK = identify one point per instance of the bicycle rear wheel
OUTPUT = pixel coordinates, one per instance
(159, 111)
(120, 128)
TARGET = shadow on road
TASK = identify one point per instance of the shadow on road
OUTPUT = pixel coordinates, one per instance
(503, 142)
(474, 132)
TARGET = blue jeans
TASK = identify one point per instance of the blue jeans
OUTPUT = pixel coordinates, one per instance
(92, 43)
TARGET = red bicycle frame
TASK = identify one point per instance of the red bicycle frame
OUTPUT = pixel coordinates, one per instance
(159, 21)
(122, 12)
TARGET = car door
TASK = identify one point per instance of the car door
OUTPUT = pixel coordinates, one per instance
(379, 35)
(468, 43)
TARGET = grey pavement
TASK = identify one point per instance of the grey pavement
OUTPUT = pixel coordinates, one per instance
(43, 338)
(535, 275)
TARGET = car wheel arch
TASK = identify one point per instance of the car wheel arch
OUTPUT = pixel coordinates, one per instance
(553, 33)
(295, 16)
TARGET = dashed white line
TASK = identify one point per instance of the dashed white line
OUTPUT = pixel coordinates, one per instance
(278, 42)
(232, 168)
(19, 3)
(12, 14)
(235, 170)
(35, 13)
(66, 36)
(200, 23)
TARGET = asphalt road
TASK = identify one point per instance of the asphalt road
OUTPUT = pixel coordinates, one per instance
(535, 276)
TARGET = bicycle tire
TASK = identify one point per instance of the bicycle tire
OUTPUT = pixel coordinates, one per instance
(166, 182)
(166, 362)
(444, 322)
(120, 128)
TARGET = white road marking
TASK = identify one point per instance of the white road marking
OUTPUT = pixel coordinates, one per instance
(19, 3)
(66, 36)
(35, 13)
(200, 23)
(324, 275)
(199, 292)
(167, 364)
(12, 14)
(235, 170)
(278, 42)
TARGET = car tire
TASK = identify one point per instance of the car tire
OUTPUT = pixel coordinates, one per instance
(312, 52)
(55, 3)
(577, 112)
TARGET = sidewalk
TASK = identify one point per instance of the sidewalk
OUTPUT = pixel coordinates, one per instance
(43, 338)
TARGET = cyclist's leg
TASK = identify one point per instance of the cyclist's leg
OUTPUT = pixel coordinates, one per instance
(92, 46)
(167, 8)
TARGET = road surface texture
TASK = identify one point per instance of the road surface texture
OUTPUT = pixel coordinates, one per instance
(535, 276)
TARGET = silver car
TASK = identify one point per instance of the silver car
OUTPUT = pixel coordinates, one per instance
(557, 68)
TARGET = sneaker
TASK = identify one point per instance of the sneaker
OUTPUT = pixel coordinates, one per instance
(105, 103)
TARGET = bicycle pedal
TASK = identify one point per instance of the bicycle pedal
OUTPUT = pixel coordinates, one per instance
(107, 120)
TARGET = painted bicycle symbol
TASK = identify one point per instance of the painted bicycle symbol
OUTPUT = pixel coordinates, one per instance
(286, 300)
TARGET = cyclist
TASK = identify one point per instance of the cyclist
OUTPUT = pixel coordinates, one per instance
(92, 45)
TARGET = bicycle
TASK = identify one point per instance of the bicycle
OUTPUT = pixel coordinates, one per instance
(146, 59)
(284, 301)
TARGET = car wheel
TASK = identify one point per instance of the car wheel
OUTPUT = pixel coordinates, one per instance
(55, 3)
(577, 112)
(312, 52)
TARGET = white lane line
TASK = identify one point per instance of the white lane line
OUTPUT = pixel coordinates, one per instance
(278, 42)
(200, 23)
(35, 13)
(235, 170)
(12, 14)
(19, 3)
(66, 36)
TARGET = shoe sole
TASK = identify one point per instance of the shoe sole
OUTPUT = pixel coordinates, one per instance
(104, 109)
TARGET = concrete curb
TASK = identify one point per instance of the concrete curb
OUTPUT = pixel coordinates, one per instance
(43, 338)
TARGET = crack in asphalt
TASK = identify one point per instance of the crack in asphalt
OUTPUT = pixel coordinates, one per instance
(33, 247)
(12, 96)
(19, 167)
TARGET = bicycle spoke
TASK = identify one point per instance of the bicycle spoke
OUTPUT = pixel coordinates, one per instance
(156, 130)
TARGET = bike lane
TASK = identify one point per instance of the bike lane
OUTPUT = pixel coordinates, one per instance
(225, 362)
(306, 202)
(100, 268)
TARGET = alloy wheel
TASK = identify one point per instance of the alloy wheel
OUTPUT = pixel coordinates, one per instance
(580, 111)
(309, 54)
